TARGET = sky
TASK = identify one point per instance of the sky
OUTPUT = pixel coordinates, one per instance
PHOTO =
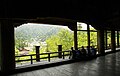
(65, 27)
(84, 26)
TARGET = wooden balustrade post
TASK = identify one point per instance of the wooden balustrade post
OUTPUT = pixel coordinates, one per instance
(60, 51)
(63, 55)
(70, 54)
(31, 59)
(37, 53)
(49, 57)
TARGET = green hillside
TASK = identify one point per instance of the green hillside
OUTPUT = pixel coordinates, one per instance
(35, 32)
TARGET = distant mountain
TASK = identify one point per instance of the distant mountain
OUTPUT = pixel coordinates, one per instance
(35, 31)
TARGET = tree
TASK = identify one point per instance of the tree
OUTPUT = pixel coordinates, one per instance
(82, 38)
(93, 38)
(64, 37)
(20, 40)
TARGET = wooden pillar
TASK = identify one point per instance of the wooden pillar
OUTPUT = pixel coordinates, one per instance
(101, 48)
(88, 36)
(7, 52)
(105, 38)
(73, 27)
(117, 38)
(60, 51)
(113, 43)
(37, 53)
(75, 37)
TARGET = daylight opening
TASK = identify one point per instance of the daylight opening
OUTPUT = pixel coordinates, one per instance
(48, 37)
(45, 42)
(83, 35)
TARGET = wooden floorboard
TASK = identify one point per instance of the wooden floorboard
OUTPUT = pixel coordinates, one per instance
(108, 65)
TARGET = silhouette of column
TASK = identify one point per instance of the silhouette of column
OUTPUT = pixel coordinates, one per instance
(37, 53)
(101, 48)
(117, 38)
(7, 51)
(113, 43)
(75, 36)
(105, 38)
(73, 27)
(88, 36)
(60, 51)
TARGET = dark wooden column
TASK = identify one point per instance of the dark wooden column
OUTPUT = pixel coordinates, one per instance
(113, 43)
(75, 37)
(105, 38)
(101, 48)
(7, 52)
(117, 38)
(88, 36)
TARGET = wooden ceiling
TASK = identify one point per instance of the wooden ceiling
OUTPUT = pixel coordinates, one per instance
(98, 13)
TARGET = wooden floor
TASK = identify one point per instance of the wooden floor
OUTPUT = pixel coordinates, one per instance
(108, 65)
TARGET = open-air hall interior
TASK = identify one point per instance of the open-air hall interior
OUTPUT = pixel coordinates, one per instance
(104, 16)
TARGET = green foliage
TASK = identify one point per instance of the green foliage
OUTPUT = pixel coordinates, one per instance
(52, 43)
(32, 52)
(66, 39)
(17, 52)
(82, 38)
(63, 37)
(93, 38)
(31, 33)
(53, 36)
(109, 38)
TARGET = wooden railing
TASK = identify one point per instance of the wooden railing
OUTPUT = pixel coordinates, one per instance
(48, 56)
(37, 57)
